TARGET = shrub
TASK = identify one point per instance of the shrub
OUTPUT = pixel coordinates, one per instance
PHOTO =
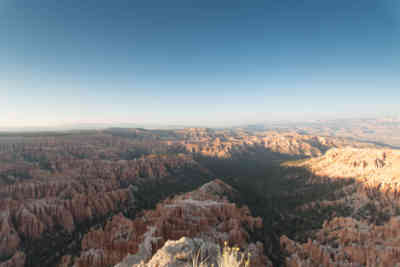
(228, 257)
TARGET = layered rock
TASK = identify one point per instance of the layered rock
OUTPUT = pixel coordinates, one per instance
(347, 242)
(369, 236)
(204, 213)
(227, 144)
(54, 187)
(377, 176)
(44, 209)
(372, 166)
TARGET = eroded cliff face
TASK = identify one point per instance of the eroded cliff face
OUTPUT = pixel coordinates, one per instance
(370, 166)
(376, 172)
(25, 223)
(44, 216)
(205, 213)
(225, 144)
(347, 242)
(62, 198)
(369, 235)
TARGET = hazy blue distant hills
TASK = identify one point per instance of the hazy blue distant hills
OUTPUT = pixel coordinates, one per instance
(88, 126)
(385, 130)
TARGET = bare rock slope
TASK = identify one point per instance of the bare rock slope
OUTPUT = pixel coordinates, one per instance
(43, 214)
(370, 235)
(225, 144)
(205, 214)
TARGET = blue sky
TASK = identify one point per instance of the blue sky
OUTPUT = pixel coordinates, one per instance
(197, 62)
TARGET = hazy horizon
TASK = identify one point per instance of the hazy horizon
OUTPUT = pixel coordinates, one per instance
(197, 63)
(271, 124)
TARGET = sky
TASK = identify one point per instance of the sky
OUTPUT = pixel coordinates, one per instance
(197, 62)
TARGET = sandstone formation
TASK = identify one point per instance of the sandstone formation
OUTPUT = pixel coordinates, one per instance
(227, 143)
(348, 242)
(376, 172)
(55, 187)
(64, 204)
(372, 166)
(369, 236)
(204, 213)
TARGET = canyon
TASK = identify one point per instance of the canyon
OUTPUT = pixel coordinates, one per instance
(127, 197)
(368, 235)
